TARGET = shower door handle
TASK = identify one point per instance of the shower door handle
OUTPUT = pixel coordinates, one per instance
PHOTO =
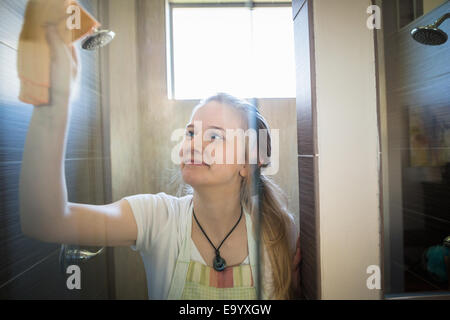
(70, 255)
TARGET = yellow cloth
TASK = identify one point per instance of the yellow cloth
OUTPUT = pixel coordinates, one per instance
(33, 57)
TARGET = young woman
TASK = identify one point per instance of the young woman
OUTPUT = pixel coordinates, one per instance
(200, 246)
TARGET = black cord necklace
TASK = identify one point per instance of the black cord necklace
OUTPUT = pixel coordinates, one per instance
(219, 263)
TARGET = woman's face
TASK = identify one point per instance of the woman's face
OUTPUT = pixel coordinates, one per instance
(208, 157)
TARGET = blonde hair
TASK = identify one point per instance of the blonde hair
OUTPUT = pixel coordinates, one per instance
(275, 220)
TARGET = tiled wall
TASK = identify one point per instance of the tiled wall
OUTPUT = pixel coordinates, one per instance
(417, 214)
(29, 268)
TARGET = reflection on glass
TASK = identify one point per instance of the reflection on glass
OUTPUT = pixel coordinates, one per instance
(416, 154)
(426, 198)
(55, 162)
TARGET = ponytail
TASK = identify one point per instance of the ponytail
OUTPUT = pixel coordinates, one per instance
(276, 224)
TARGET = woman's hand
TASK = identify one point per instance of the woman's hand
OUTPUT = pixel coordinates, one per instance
(64, 67)
(296, 270)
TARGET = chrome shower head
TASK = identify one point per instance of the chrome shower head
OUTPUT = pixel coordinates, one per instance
(98, 39)
(431, 35)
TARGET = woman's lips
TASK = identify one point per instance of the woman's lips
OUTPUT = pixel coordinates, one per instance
(197, 164)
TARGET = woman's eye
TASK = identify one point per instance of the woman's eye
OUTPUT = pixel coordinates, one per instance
(190, 134)
(216, 137)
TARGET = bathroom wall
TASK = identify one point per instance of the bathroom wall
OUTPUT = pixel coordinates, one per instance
(417, 78)
(429, 5)
(142, 120)
(347, 148)
(30, 269)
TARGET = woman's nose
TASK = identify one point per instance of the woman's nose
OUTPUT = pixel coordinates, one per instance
(192, 150)
(199, 143)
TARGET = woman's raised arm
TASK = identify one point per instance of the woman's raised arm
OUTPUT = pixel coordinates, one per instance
(45, 213)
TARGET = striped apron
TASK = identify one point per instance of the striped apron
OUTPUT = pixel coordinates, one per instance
(194, 280)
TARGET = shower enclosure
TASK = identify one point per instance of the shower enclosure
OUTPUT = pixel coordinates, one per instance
(415, 122)
(118, 144)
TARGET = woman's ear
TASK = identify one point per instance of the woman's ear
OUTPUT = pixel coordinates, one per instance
(243, 172)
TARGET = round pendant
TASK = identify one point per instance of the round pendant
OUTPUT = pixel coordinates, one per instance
(219, 263)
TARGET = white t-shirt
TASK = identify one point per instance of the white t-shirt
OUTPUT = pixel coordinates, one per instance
(161, 223)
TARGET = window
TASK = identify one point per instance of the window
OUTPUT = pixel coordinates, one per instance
(249, 53)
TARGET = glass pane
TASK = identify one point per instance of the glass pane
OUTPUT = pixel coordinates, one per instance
(33, 269)
(114, 138)
(416, 162)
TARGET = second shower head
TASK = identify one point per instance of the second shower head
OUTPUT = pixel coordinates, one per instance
(431, 35)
